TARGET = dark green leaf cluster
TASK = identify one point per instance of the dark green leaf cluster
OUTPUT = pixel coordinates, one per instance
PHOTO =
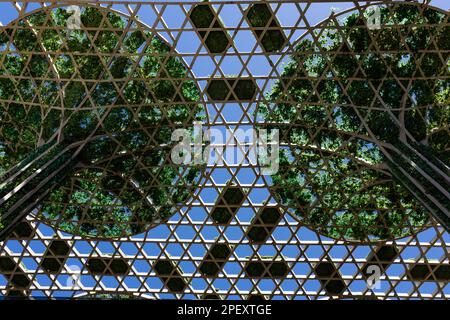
(122, 92)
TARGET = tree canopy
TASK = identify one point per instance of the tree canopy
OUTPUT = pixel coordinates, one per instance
(347, 91)
(114, 86)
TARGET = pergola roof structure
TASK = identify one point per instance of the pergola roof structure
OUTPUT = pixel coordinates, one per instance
(222, 230)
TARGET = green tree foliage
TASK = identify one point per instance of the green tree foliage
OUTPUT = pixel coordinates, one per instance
(115, 87)
(342, 97)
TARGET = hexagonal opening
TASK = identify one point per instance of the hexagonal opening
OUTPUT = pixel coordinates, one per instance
(228, 203)
(419, 272)
(7, 264)
(382, 257)
(96, 265)
(110, 266)
(258, 234)
(272, 40)
(217, 42)
(330, 278)
(442, 273)
(58, 248)
(202, 16)
(260, 16)
(119, 266)
(243, 89)
(429, 272)
(170, 275)
(325, 270)
(233, 196)
(255, 269)
(387, 253)
(270, 216)
(20, 281)
(215, 259)
(22, 231)
(209, 269)
(263, 224)
(163, 267)
(334, 287)
(51, 265)
(220, 251)
(218, 90)
(278, 269)
(221, 215)
(176, 284)
(55, 256)
(16, 294)
(267, 269)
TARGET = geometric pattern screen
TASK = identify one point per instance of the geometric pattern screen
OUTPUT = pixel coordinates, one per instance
(315, 159)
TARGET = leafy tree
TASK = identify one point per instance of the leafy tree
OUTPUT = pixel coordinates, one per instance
(96, 106)
(353, 109)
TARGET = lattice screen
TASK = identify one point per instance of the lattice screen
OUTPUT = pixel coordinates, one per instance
(129, 223)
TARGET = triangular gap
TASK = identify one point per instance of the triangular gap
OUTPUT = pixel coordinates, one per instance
(147, 15)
